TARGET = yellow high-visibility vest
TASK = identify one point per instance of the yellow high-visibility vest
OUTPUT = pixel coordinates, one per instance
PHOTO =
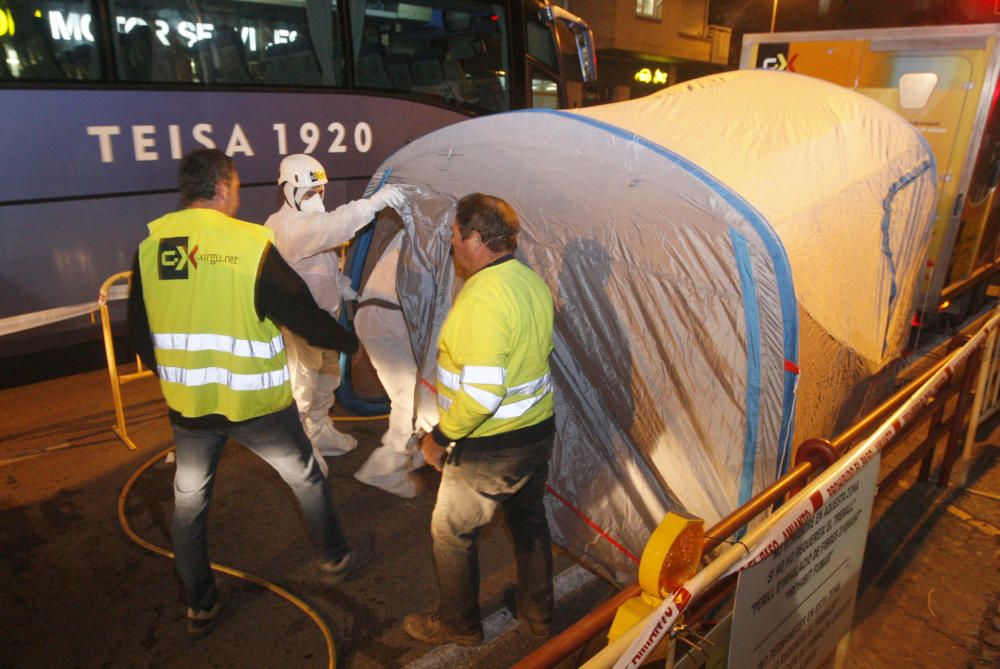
(493, 354)
(213, 354)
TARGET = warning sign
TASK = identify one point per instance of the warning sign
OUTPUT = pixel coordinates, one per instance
(793, 607)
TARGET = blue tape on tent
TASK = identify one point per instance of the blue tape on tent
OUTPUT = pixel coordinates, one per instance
(345, 394)
(894, 190)
(751, 317)
(772, 244)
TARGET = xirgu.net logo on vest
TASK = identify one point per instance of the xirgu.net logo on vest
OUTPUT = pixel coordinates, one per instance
(174, 258)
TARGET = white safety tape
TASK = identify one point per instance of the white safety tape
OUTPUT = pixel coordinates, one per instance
(37, 319)
(776, 530)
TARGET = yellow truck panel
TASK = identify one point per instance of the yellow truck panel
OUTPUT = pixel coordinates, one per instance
(943, 80)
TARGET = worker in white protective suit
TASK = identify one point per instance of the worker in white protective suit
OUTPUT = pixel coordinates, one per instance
(307, 236)
(381, 328)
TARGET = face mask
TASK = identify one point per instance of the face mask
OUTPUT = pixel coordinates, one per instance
(315, 203)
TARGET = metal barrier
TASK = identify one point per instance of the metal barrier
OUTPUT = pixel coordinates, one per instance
(117, 379)
(923, 401)
(985, 404)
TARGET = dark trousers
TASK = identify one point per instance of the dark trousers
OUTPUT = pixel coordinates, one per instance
(473, 485)
(279, 439)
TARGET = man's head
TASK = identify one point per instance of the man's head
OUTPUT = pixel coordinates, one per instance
(485, 229)
(301, 180)
(207, 178)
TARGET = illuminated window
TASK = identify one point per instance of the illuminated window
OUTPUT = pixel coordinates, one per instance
(49, 40)
(276, 42)
(649, 9)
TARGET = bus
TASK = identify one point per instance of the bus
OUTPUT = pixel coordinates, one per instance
(99, 99)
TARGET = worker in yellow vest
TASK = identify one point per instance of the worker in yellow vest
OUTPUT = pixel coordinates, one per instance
(496, 429)
(208, 292)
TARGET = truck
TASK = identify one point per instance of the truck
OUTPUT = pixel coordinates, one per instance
(943, 80)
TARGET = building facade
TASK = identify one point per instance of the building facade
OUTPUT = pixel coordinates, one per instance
(646, 45)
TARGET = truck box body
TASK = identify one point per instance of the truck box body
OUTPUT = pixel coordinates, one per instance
(943, 80)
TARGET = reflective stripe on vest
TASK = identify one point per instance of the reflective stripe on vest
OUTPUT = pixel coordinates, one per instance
(242, 382)
(492, 403)
(243, 348)
(494, 376)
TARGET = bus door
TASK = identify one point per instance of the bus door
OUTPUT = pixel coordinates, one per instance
(541, 62)
(551, 80)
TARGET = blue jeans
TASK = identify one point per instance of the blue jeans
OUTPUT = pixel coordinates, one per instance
(279, 439)
(474, 483)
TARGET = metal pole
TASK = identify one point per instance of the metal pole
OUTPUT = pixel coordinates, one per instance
(985, 368)
(774, 14)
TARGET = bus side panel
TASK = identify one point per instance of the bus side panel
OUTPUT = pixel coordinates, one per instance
(84, 171)
(116, 142)
(55, 254)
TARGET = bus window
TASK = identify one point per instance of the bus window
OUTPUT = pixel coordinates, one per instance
(48, 41)
(455, 50)
(279, 43)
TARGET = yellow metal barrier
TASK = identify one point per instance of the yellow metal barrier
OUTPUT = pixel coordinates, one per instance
(117, 380)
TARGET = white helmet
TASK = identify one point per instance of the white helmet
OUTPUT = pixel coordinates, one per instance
(297, 174)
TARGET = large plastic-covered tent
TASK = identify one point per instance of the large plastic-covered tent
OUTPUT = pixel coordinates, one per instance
(734, 260)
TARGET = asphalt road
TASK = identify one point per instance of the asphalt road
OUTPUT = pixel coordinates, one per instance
(78, 593)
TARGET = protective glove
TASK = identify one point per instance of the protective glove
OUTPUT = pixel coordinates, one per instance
(346, 290)
(388, 196)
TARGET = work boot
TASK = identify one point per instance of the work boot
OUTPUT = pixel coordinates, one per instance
(333, 572)
(538, 629)
(200, 623)
(427, 627)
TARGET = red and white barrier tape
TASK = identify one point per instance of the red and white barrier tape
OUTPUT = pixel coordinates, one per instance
(37, 319)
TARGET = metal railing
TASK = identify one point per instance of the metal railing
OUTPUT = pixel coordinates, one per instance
(117, 379)
(815, 455)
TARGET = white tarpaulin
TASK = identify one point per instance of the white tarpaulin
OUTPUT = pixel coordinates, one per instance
(707, 247)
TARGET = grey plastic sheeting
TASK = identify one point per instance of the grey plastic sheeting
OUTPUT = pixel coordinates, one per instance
(677, 318)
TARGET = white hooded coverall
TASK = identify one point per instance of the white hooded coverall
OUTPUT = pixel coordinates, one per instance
(307, 241)
(383, 334)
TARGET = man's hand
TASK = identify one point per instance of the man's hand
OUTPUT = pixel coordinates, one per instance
(433, 452)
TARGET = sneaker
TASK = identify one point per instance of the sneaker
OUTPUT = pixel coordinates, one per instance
(427, 627)
(333, 572)
(539, 630)
(200, 623)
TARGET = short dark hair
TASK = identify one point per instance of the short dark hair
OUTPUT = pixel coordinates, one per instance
(199, 171)
(494, 220)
